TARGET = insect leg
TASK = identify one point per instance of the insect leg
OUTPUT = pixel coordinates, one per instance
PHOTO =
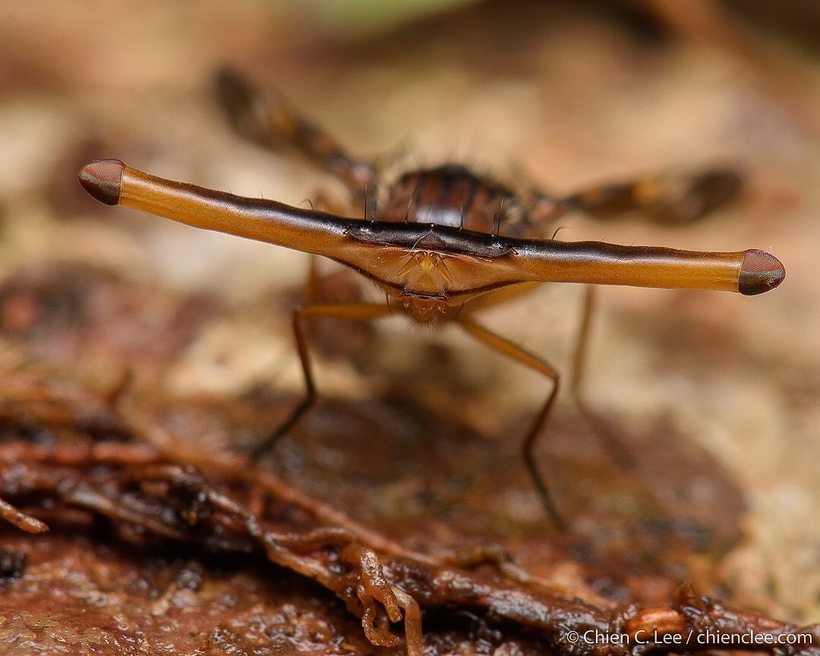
(510, 350)
(313, 284)
(270, 121)
(579, 361)
(351, 311)
(498, 296)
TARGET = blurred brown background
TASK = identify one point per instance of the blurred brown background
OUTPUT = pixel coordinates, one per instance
(563, 93)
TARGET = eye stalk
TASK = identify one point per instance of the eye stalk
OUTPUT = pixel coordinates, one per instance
(749, 272)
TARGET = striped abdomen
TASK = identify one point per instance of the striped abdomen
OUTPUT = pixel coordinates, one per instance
(450, 196)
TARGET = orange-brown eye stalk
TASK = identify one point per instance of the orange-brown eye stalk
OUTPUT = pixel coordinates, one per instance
(466, 263)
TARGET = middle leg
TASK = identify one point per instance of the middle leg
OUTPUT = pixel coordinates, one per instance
(605, 433)
(350, 311)
(507, 348)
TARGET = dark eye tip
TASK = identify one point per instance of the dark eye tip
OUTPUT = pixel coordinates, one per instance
(102, 179)
(759, 273)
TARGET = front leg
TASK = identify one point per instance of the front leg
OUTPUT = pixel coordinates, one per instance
(350, 311)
